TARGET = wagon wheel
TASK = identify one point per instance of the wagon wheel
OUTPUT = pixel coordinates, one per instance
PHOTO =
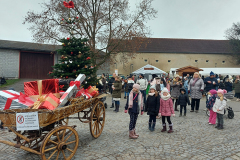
(84, 115)
(97, 119)
(60, 142)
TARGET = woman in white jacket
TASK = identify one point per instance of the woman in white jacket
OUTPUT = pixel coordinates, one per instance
(219, 106)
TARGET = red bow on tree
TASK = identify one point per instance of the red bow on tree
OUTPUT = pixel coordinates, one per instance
(69, 4)
(88, 58)
(77, 83)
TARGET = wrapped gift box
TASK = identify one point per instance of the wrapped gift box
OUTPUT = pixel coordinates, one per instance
(50, 102)
(93, 91)
(84, 93)
(10, 99)
(41, 87)
(69, 92)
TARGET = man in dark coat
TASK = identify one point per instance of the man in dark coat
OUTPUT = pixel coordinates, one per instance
(110, 83)
(183, 100)
(211, 83)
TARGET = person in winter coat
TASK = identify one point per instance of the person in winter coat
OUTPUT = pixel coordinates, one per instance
(126, 93)
(134, 106)
(130, 84)
(210, 103)
(228, 85)
(152, 107)
(183, 100)
(166, 110)
(196, 86)
(143, 86)
(236, 86)
(186, 84)
(221, 85)
(116, 94)
(219, 106)
(211, 83)
(176, 84)
(110, 83)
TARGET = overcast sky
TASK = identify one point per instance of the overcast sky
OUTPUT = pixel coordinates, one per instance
(192, 19)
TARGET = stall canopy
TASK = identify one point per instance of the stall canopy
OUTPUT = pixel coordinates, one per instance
(149, 69)
(222, 71)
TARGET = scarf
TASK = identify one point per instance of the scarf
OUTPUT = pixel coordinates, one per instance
(151, 94)
(165, 97)
(140, 100)
(194, 81)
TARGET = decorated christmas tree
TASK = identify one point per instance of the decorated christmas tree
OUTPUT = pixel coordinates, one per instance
(75, 56)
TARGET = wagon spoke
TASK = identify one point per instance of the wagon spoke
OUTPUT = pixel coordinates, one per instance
(58, 137)
(64, 154)
(70, 142)
(57, 155)
(70, 150)
(49, 149)
(68, 137)
(63, 134)
(100, 124)
(53, 142)
(52, 154)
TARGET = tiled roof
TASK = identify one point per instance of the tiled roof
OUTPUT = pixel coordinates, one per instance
(27, 46)
(168, 45)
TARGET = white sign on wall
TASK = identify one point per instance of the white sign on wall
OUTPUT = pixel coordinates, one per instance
(116, 71)
(27, 121)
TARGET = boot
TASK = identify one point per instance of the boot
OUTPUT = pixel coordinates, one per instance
(176, 107)
(149, 126)
(117, 108)
(125, 97)
(137, 135)
(184, 115)
(218, 125)
(131, 135)
(164, 128)
(170, 128)
(180, 115)
(153, 126)
(112, 105)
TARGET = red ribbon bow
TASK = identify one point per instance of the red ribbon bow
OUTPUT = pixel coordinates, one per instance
(69, 4)
(22, 98)
(77, 83)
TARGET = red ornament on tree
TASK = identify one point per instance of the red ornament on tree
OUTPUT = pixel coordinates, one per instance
(62, 19)
(88, 58)
(71, 52)
(50, 72)
(76, 17)
(68, 38)
(69, 4)
(67, 77)
(74, 70)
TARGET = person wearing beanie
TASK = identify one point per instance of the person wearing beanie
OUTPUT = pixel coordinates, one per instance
(219, 106)
(116, 94)
(110, 84)
(211, 101)
(176, 84)
(166, 110)
(183, 100)
(152, 107)
(134, 106)
(211, 83)
(143, 86)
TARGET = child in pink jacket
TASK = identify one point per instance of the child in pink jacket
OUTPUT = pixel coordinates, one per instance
(166, 110)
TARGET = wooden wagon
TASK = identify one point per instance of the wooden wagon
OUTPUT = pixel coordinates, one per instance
(56, 138)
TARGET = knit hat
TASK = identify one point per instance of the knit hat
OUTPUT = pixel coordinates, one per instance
(142, 75)
(182, 90)
(165, 90)
(213, 91)
(153, 87)
(137, 86)
(211, 73)
(222, 91)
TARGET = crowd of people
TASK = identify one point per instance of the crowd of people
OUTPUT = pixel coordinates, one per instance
(166, 94)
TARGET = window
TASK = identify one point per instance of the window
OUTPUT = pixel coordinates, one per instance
(156, 60)
(196, 61)
(207, 61)
(145, 60)
(169, 60)
(223, 62)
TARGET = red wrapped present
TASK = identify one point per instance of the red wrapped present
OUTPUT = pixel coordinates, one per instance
(93, 91)
(83, 92)
(49, 102)
(41, 87)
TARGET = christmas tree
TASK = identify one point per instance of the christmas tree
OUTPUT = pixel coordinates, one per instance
(75, 57)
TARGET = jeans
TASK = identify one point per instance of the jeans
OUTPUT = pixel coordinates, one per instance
(144, 95)
(220, 119)
(168, 119)
(152, 118)
(133, 121)
(186, 89)
(195, 102)
(126, 94)
(117, 103)
(213, 116)
(185, 109)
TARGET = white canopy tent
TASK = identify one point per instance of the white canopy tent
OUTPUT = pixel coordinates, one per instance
(148, 70)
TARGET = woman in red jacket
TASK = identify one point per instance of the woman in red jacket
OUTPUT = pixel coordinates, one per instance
(166, 110)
